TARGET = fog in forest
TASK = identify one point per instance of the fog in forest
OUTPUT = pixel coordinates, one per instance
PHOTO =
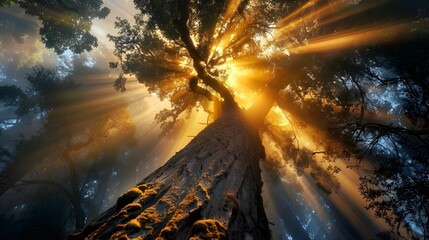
(343, 154)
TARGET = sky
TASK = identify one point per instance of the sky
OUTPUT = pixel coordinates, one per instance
(295, 206)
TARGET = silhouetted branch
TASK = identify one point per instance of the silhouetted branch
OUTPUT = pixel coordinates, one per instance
(193, 85)
(198, 61)
(387, 129)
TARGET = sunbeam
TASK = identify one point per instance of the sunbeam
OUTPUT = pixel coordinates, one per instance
(241, 119)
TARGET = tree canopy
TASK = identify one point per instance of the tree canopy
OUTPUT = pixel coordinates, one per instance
(355, 71)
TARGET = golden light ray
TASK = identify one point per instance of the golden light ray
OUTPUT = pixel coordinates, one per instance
(144, 116)
(234, 41)
(347, 200)
(351, 204)
(245, 77)
(99, 93)
(221, 38)
(119, 8)
(286, 20)
(331, 12)
(91, 110)
(228, 36)
(166, 147)
(230, 10)
(250, 62)
(354, 38)
(293, 24)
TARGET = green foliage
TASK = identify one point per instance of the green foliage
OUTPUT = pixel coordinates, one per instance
(66, 24)
(6, 2)
(400, 197)
(13, 96)
(49, 88)
(161, 15)
(46, 92)
(144, 53)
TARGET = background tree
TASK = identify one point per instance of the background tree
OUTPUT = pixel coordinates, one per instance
(331, 65)
(66, 24)
(79, 149)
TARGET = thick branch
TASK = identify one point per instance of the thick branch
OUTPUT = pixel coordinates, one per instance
(182, 27)
(193, 85)
(198, 61)
(262, 105)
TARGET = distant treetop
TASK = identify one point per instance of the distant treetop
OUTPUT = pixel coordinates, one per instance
(66, 24)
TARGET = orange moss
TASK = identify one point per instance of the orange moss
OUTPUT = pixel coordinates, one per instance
(151, 185)
(133, 224)
(169, 231)
(147, 190)
(149, 216)
(208, 229)
(130, 196)
(132, 207)
(134, 191)
(203, 190)
(230, 202)
(120, 236)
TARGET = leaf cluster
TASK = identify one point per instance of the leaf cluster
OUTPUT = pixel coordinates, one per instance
(66, 24)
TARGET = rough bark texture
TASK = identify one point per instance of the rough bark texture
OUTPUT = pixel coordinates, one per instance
(211, 189)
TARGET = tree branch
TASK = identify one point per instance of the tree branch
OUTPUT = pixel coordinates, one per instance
(198, 62)
(193, 85)
(262, 105)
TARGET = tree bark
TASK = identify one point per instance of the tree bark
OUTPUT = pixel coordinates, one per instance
(211, 189)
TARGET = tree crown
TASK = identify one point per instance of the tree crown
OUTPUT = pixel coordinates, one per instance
(357, 69)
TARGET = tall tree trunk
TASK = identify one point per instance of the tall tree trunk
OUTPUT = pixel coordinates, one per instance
(211, 189)
(76, 194)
